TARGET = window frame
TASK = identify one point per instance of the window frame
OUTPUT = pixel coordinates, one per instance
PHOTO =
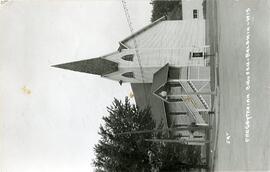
(128, 75)
(128, 57)
(195, 14)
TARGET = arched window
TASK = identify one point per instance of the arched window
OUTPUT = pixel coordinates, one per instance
(128, 57)
(128, 75)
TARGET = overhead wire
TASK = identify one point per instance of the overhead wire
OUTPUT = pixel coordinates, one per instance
(135, 46)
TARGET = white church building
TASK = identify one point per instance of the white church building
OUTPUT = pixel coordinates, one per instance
(167, 65)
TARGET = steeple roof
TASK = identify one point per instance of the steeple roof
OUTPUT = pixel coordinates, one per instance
(98, 66)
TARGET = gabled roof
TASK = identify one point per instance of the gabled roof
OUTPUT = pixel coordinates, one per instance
(160, 77)
(156, 104)
(159, 80)
(122, 43)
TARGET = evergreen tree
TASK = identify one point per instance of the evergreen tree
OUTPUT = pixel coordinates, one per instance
(163, 8)
(124, 152)
(130, 152)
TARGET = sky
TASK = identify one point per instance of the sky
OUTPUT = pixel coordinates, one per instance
(49, 117)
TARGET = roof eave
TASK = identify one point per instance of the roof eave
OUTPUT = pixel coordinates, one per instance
(141, 31)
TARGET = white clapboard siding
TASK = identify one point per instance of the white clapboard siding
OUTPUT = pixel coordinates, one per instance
(171, 34)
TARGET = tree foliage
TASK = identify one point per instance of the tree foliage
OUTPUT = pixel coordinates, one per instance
(124, 152)
(130, 152)
(164, 8)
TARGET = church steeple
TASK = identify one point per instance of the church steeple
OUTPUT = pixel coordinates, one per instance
(97, 66)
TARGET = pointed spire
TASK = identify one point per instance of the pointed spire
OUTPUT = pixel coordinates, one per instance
(98, 66)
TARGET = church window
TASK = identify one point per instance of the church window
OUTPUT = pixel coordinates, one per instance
(128, 75)
(128, 57)
(195, 14)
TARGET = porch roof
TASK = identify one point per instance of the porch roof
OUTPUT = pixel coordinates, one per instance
(160, 78)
